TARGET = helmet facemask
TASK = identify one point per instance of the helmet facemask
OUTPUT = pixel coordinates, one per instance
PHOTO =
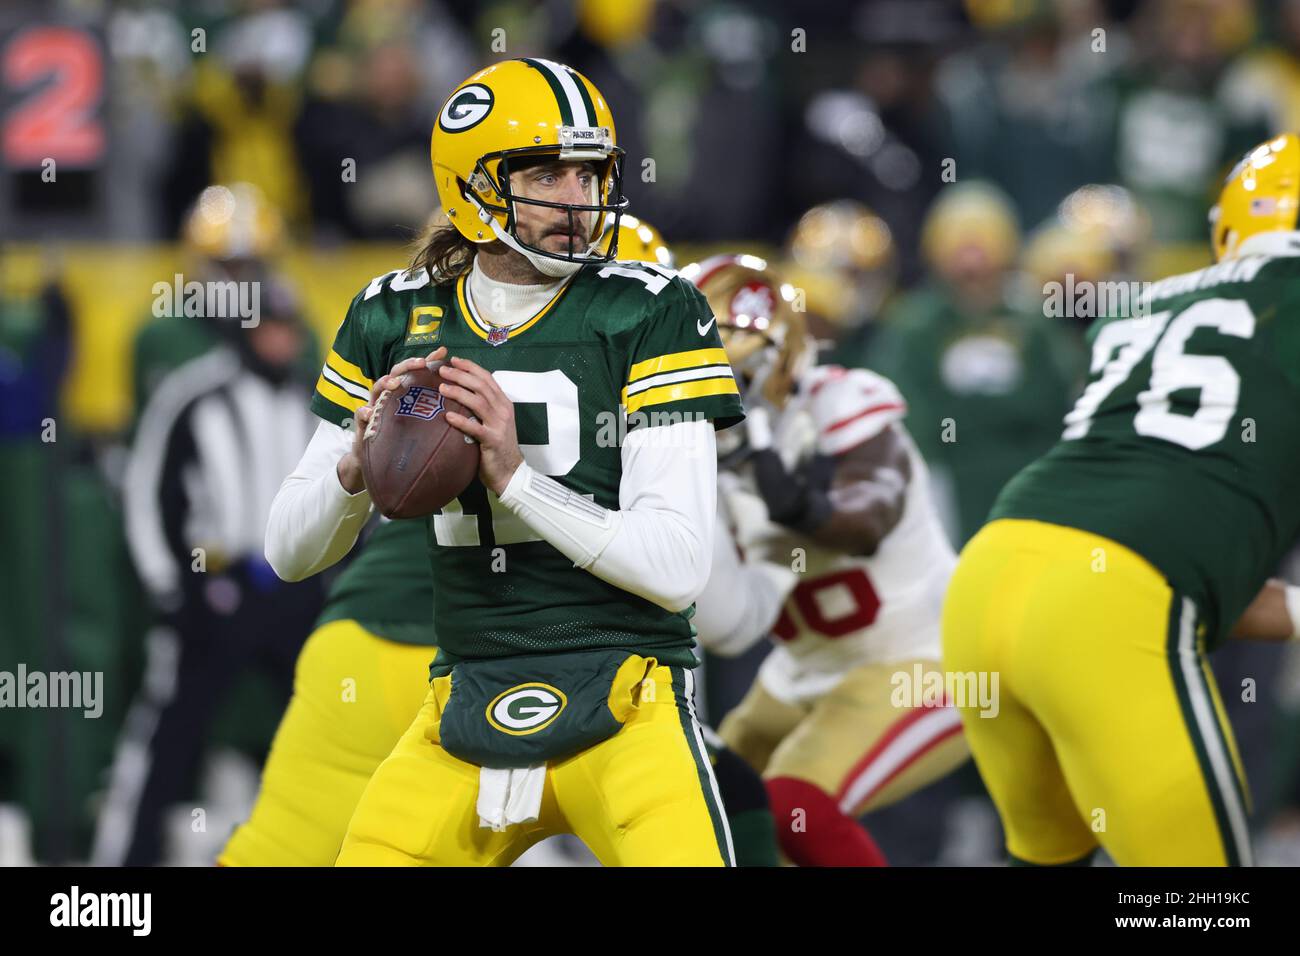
(489, 189)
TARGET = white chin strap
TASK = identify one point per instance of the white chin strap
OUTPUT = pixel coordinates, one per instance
(555, 268)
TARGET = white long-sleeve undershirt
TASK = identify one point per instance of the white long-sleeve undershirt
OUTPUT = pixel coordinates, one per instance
(742, 600)
(314, 521)
(658, 544)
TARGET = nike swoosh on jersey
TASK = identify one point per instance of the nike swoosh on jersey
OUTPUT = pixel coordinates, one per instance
(704, 329)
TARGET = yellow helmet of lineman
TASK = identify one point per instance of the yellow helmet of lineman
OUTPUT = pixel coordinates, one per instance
(766, 340)
(638, 241)
(1261, 194)
(517, 112)
(233, 222)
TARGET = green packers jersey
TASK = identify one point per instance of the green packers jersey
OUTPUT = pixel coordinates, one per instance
(1185, 445)
(621, 346)
(388, 588)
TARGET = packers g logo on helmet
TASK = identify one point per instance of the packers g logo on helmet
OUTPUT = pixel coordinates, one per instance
(467, 107)
(526, 709)
(516, 113)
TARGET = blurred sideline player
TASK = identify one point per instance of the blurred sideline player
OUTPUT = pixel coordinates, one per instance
(231, 234)
(1114, 563)
(363, 674)
(828, 542)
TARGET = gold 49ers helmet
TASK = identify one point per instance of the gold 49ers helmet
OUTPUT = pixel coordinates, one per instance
(766, 340)
(1261, 194)
(516, 113)
(638, 241)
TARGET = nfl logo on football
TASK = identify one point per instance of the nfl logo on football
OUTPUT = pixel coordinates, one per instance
(420, 402)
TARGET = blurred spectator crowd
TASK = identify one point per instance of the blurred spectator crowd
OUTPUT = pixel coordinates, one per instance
(751, 112)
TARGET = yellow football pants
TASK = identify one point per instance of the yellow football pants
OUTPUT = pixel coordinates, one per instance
(644, 797)
(354, 695)
(1109, 729)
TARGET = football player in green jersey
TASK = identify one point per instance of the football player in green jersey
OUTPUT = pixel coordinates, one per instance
(363, 674)
(1138, 543)
(564, 576)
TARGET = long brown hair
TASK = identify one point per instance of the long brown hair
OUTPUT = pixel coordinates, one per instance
(442, 250)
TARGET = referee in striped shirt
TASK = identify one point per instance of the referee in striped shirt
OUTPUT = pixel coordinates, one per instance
(216, 438)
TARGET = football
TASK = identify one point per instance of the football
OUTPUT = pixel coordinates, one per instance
(413, 461)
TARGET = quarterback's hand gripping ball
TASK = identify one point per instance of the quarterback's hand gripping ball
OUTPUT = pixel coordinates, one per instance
(413, 461)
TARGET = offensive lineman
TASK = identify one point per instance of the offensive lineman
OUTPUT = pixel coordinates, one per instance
(1114, 563)
(561, 606)
(844, 563)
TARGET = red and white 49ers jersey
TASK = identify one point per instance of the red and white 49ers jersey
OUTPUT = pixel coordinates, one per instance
(845, 610)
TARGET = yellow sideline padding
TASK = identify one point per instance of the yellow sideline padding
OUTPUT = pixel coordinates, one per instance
(110, 288)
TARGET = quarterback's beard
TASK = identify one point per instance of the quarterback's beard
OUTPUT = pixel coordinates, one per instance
(554, 268)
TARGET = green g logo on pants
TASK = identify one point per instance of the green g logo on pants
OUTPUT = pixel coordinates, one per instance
(526, 709)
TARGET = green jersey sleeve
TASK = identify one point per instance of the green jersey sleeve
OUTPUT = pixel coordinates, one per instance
(677, 369)
(355, 359)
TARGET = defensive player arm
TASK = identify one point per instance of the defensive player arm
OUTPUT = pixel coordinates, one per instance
(848, 502)
(314, 520)
(658, 544)
(741, 601)
(1274, 614)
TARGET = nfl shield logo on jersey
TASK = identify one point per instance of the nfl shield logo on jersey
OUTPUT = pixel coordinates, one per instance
(420, 402)
(498, 336)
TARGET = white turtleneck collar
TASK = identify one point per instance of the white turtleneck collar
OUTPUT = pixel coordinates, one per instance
(507, 303)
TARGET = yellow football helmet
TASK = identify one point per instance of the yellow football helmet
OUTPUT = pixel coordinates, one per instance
(638, 241)
(1261, 194)
(843, 256)
(973, 220)
(766, 340)
(233, 222)
(517, 112)
(1055, 250)
(1110, 213)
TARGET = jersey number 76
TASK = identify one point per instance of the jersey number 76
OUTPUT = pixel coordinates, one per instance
(1121, 346)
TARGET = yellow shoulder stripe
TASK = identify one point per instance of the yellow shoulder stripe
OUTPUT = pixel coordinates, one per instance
(330, 391)
(675, 361)
(662, 394)
(349, 371)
